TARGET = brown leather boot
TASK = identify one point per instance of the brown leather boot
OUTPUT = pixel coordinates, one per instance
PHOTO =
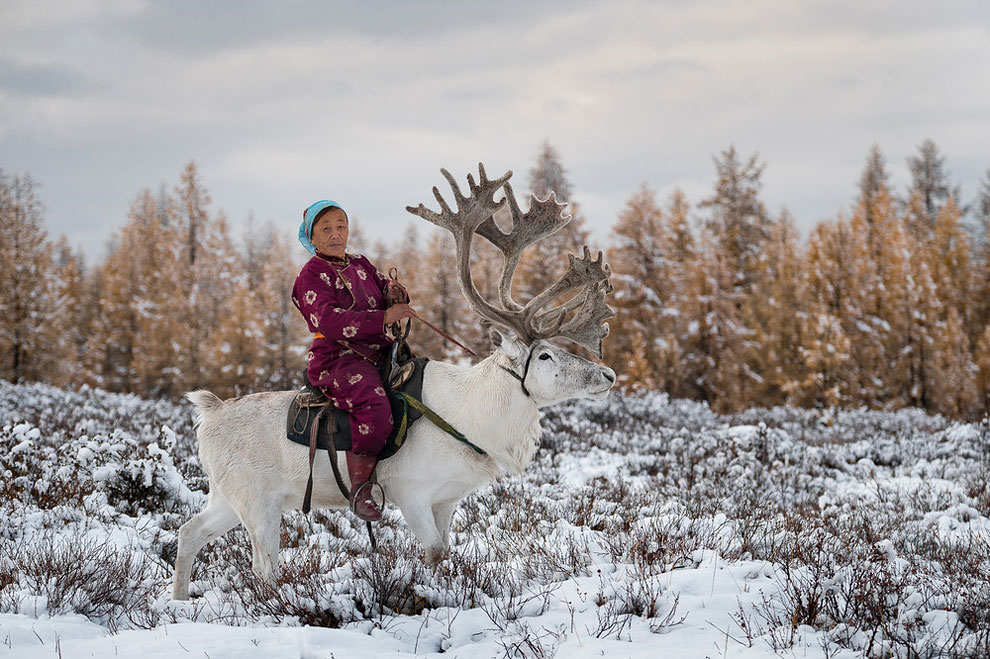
(360, 468)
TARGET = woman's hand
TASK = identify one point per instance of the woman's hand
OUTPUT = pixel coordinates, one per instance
(397, 312)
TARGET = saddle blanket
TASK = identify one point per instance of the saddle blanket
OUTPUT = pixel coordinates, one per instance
(305, 408)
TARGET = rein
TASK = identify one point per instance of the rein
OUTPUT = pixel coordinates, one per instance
(394, 282)
(521, 378)
(445, 335)
(395, 293)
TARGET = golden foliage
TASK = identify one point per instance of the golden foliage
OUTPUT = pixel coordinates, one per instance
(886, 307)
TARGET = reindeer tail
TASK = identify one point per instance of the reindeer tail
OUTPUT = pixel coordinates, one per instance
(205, 402)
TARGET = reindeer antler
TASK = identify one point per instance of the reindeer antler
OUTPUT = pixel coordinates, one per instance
(542, 219)
(529, 322)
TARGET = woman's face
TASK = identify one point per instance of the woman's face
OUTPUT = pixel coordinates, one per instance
(330, 233)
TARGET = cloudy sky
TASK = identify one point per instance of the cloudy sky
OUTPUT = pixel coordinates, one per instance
(284, 103)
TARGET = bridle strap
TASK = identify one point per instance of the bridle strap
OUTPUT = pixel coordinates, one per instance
(521, 378)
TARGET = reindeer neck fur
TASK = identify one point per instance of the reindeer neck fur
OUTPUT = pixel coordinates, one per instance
(488, 405)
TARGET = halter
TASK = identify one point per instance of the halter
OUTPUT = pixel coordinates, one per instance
(521, 378)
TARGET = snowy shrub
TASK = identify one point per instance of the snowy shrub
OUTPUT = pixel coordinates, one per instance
(60, 413)
(306, 592)
(112, 470)
(620, 598)
(522, 641)
(135, 478)
(867, 531)
(77, 574)
(23, 461)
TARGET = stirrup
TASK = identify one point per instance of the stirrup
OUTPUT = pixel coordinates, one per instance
(357, 493)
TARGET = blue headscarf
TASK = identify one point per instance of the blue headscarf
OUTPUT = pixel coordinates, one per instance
(309, 218)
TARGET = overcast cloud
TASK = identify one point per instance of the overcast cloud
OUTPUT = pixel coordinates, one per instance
(285, 103)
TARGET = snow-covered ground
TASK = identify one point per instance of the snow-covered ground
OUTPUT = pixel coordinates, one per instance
(645, 528)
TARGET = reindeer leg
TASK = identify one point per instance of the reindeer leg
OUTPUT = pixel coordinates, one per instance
(419, 516)
(442, 513)
(214, 520)
(263, 522)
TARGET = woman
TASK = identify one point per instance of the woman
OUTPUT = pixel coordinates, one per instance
(342, 298)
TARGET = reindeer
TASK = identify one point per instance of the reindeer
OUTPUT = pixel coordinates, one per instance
(255, 472)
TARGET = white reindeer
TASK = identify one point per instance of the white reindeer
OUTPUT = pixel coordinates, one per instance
(255, 472)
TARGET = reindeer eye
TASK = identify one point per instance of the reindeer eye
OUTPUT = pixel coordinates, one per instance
(545, 355)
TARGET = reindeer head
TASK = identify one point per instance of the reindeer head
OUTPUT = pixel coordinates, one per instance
(549, 373)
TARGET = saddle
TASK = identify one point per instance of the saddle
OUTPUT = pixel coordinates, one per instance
(312, 408)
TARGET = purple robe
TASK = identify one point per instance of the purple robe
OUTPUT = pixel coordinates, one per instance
(343, 302)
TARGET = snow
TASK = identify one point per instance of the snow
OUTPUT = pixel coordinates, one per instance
(73, 636)
(647, 527)
(708, 594)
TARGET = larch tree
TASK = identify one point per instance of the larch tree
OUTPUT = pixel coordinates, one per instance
(635, 258)
(255, 242)
(862, 257)
(381, 254)
(873, 181)
(950, 251)
(407, 257)
(953, 375)
(930, 182)
(980, 318)
(192, 217)
(901, 291)
(435, 295)
(921, 318)
(30, 302)
(77, 304)
(113, 343)
(234, 348)
(649, 260)
(151, 238)
(981, 357)
(681, 243)
(442, 304)
(193, 201)
(913, 308)
(739, 228)
(925, 300)
(738, 220)
(880, 327)
(835, 284)
(207, 264)
(219, 279)
(285, 334)
(774, 309)
(413, 270)
(681, 256)
(132, 346)
(859, 295)
(950, 373)
(715, 345)
(856, 287)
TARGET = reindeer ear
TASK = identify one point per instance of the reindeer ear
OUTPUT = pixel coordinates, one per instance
(511, 346)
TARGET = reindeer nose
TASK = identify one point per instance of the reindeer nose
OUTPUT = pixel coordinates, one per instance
(609, 375)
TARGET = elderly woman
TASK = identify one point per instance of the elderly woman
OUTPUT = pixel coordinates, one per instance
(342, 298)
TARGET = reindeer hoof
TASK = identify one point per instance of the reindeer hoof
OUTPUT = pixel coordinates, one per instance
(435, 556)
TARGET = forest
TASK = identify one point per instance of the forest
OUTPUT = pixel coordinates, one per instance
(719, 300)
